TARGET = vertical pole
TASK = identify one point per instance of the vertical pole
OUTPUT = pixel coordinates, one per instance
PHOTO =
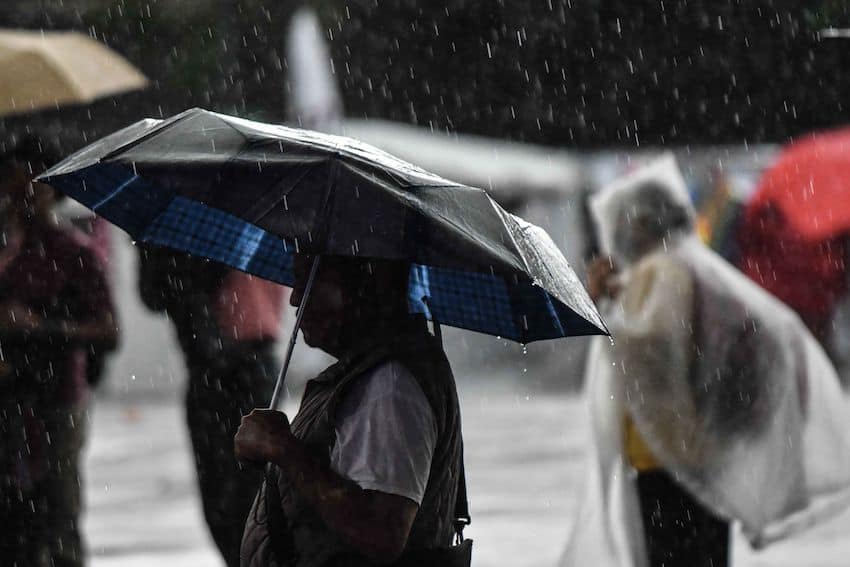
(278, 387)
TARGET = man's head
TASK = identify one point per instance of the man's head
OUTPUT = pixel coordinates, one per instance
(351, 298)
(650, 215)
(22, 161)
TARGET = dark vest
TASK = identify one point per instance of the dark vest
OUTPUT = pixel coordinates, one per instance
(312, 542)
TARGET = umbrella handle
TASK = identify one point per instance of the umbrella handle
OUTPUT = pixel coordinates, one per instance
(281, 378)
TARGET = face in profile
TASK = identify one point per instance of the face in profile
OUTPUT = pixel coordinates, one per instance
(350, 298)
(327, 308)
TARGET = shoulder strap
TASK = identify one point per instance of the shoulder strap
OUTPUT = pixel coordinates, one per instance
(462, 517)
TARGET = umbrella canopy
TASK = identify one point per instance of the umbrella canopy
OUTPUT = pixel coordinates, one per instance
(43, 70)
(810, 184)
(250, 195)
(510, 171)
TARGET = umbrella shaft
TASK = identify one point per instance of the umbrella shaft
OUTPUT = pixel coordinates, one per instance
(278, 387)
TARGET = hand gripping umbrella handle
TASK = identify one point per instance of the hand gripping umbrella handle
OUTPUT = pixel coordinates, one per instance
(278, 387)
(270, 479)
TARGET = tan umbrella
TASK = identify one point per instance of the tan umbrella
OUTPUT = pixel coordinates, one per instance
(41, 70)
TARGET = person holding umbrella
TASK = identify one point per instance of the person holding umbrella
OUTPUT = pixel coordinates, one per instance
(369, 468)
(54, 305)
(50, 82)
(388, 246)
(712, 404)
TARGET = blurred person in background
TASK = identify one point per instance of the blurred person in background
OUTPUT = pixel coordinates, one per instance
(712, 404)
(96, 234)
(810, 276)
(719, 215)
(54, 306)
(795, 234)
(227, 323)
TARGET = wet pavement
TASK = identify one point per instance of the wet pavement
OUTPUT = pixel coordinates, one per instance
(524, 464)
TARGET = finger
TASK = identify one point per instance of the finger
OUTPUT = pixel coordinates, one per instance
(246, 464)
(261, 414)
(241, 446)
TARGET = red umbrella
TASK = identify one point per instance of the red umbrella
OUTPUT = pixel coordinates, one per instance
(810, 185)
(793, 238)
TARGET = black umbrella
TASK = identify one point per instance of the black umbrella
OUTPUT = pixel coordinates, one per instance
(250, 195)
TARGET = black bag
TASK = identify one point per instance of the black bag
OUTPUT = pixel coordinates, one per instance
(459, 555)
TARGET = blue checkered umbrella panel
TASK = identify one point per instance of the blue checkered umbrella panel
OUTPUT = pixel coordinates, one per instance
(251, 195)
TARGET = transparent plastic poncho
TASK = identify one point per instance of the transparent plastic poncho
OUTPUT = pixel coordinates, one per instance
(728, 389)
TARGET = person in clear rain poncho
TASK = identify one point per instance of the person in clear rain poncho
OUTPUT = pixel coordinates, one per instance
(713, 404)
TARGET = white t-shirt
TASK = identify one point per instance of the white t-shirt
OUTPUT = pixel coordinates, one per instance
(386, 433)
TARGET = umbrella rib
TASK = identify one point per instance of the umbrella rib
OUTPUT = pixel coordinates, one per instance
(330, 197)
(507, 218)
(153, 132)
(263, 209)
(114, 192)
(227, 123)
(411, 202)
